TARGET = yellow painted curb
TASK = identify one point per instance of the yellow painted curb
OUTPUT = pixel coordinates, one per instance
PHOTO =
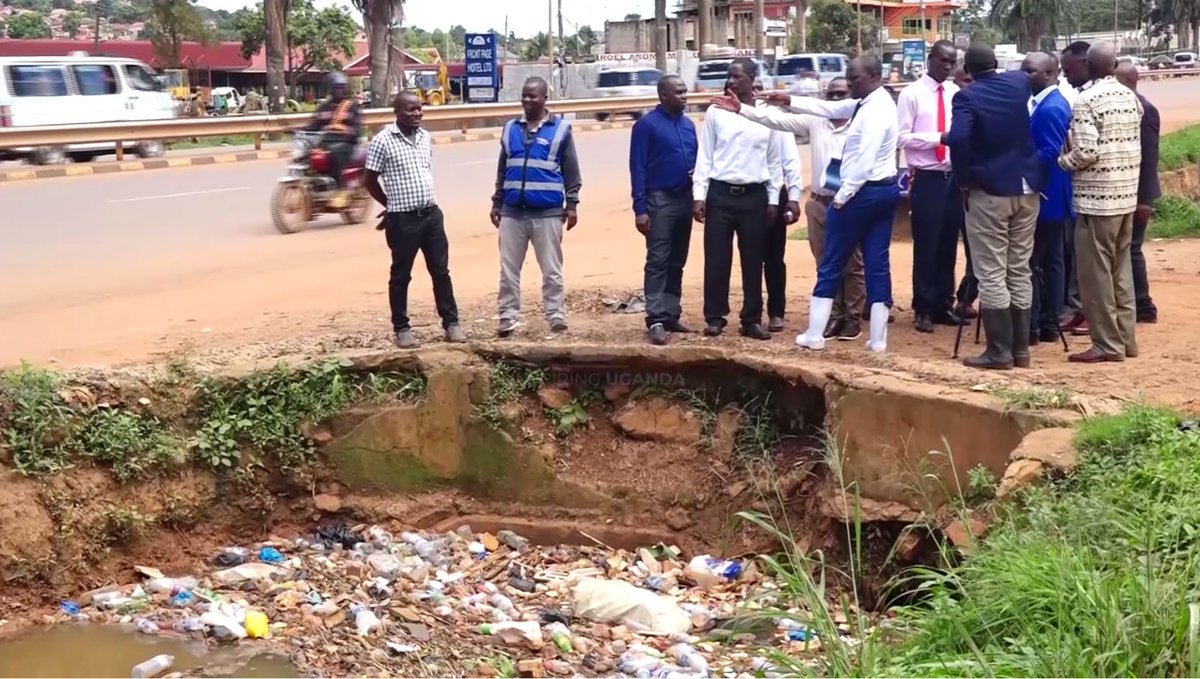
(78, 170)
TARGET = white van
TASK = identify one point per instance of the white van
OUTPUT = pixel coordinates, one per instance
(627, 81)
(78, 90)
(826, 66)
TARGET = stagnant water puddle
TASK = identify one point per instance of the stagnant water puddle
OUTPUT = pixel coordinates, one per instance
(100, 651)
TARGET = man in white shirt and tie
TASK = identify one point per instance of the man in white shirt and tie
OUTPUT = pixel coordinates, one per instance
(865, 198)
(735, 189)
(937, 211)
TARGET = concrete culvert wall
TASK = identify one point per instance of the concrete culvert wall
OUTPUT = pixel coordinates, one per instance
(630, 445)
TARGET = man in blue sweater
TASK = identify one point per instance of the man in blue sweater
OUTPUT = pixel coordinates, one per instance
(662, 153)
(1049, 121)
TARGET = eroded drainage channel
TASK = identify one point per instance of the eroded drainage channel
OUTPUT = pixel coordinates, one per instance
(536, 512)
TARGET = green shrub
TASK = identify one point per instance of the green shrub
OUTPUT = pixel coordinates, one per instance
(1174, 217)
(1179, 149)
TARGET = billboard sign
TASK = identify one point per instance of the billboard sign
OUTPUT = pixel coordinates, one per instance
(481, 74)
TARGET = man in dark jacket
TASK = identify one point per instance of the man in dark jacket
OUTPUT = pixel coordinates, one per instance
(341, 121)
(993, 155)
(1149, 192)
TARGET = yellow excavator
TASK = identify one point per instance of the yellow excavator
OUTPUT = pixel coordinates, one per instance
(432, 88)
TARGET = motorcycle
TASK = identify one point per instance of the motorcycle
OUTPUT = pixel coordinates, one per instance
(308, 188)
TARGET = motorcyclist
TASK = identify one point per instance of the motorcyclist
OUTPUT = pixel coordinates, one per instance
(340, 119)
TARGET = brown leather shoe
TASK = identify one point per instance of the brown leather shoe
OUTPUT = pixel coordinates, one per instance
(1094, 355)
(1070, 321)
(1081, 330)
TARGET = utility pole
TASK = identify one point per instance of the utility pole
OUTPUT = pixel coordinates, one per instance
(801, 26)
(858, 32)
(924, 26)
(1116, 30)
(759, 28)
(703, 23)
(660, 35)
(550, 39)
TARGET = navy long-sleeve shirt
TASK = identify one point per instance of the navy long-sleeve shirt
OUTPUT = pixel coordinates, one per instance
(662, 153)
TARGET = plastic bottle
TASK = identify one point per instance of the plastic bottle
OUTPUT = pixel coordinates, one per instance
(515, 632)
(364, 619)
(110, 600)
(169, 585)
(504, 604)
(688, 657)
(637, 663)
(560, 635)
(378, 536)
(152, 667)
(146, 626)
(425, 549)
(188, 625)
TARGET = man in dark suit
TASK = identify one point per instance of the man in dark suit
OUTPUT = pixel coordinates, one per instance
(1049, 121)
(1149, 192)
(993, 155)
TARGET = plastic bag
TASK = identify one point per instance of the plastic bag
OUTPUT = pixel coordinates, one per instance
(620, 602)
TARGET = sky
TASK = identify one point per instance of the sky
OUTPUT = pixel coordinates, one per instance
(525, 17)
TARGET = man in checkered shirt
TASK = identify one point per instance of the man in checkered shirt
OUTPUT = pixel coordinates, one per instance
(400, 176)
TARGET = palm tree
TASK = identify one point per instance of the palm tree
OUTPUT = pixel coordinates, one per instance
(275, 17)
(801, 26)
(378, 16)
(1031, 20)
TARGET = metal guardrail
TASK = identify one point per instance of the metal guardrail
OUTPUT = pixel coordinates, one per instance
(259, 125)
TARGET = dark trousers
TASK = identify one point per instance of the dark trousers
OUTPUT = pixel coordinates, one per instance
(407, 233)
(864, 221)
(666, 253)
(733, 209)
(968, 288)
(1073, 302)
(1141, 281)
(774, 268)
(937, 221)
(340, 152)
(1049, 275)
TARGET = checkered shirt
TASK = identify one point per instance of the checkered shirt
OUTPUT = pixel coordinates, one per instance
(405, 167)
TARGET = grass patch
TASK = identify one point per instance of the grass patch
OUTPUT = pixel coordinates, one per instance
(1179, 149)
(48, 424)
(507, 383)
(209, 142)
(799, 233)
(1174, 217)
(1033, 398)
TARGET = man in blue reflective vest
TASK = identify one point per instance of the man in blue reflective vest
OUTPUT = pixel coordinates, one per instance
(537, 191)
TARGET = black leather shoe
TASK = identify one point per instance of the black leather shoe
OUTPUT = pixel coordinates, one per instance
(676, 326)
(947, 317)
(833, 328)
(923, 323)
(713, 330)
(775, 324)
(1035, 338)
(755, 331)
(1048, 335)
(657, 334)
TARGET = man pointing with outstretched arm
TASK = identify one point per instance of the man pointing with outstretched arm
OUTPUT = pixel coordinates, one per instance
(863, 180)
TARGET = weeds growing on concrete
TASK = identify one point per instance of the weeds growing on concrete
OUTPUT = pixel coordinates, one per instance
(507, 384)
(1033, 398)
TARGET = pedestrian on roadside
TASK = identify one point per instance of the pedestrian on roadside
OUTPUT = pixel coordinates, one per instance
(735, 190)
(1049, 121)
(662, 153)
(866, 193)
(924, 109)
(1104, 153)
(537, 195)
(1074, 78)
(997, 167)
(775, 245)
(1149, 191)
(399, 175)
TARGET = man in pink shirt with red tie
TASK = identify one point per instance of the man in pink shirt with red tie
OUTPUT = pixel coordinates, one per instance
(937, 210)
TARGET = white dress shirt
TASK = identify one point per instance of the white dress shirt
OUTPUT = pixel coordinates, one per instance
(825, 140)
(871, 135)
(789, 158)
(1067, 91)
(917, 109)
(737, 151)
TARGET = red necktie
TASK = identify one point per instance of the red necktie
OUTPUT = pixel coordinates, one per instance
(941, 149)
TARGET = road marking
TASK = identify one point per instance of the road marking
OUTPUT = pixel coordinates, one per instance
(179, 195)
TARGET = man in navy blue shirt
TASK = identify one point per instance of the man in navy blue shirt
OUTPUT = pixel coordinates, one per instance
(662, 153)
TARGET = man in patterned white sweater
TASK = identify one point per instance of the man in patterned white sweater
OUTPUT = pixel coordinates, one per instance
(1104, 154)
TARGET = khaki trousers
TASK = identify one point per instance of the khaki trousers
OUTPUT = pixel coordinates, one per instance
(1102, 246)
(1000, 230)
(852, 294)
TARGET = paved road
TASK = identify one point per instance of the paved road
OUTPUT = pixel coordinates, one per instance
(114, 267)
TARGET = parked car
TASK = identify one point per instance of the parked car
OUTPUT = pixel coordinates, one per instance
(1186, 60)
(826, 67)
(1138, 62)
(711, 74)
(79, 90)
(627, 81)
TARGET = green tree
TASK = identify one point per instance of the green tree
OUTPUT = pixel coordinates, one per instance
(101, 9)
(833, 27)
(586, 39)
(315, 38)
(171, 23)
(42, 6)
(28, 26)
(1031, 20)
(975, 21)
(536, 47)
(633, 17)
(62, 4)
(128, 13)
(70, 24)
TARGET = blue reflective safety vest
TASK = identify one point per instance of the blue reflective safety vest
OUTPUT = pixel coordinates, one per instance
(533, 176)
